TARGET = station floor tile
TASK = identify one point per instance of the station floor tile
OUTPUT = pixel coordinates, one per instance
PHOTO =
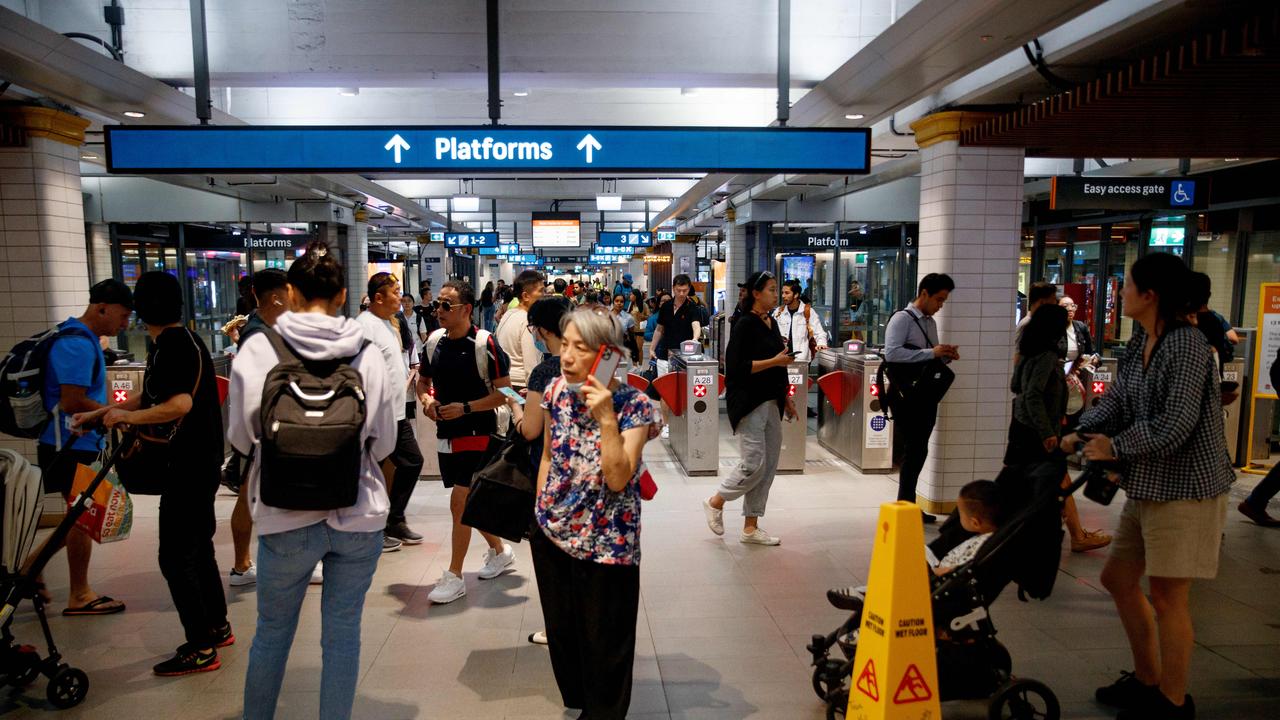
(721, 632)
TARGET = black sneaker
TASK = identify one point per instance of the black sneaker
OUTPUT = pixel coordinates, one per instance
(927, 518)
(1159, 707)
(847, 598)
(188, 661)
(390, 544)
(1127, 692)
(223, 637)
(400, 531)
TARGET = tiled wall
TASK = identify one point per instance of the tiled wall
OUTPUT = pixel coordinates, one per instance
(99, 244)
(44, 276)
(356, 262)
(970, 221)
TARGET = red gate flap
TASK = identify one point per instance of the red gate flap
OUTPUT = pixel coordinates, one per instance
(835, 385)
(669, 389)
(638, 382)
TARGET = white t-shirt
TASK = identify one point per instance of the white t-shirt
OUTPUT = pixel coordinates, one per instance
(387, 340)
(964, 552)
(517, 342)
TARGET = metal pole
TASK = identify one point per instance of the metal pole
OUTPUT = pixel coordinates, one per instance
(200, 60)
(784, 62)
(495, 102)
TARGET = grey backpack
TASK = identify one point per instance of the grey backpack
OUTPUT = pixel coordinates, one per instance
(312, 424)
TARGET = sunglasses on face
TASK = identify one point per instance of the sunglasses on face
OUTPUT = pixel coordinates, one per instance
(442, 306)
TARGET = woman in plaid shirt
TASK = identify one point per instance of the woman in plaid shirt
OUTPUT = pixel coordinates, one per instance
(1163, 421)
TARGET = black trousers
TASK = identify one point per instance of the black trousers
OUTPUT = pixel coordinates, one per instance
(407, 459)
(590, 613)
(187, 560)
(913, 424)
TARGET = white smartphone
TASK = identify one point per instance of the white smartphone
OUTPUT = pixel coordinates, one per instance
(607, 361)
(512, 394)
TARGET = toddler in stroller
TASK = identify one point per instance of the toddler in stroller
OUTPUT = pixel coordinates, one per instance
(972, 663)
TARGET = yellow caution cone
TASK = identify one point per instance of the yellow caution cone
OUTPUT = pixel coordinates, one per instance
(895, 671)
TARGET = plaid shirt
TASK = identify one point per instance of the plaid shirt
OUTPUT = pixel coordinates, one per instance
(1165, 421)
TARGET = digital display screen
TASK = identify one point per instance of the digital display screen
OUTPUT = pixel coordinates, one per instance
(798, 267)
(556, 230)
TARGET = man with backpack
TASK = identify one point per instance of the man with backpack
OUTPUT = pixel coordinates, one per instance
(75, 381)
(801, 328)
(384, 303)
(472, 369)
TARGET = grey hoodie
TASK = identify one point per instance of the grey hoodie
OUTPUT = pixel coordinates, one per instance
(315, 336)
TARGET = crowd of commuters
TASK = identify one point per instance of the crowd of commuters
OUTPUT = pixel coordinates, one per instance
(1160, 425)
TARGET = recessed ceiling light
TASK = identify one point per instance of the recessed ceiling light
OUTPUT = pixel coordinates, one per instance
(134, 114)
(88, 156)
(1230, 159)
(854, 116)
(349, 91)
(521, 93)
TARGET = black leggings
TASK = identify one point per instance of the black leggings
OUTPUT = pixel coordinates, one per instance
(590, 613)
(187, 560)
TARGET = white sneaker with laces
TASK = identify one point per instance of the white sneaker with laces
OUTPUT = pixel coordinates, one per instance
(248, 577)
(448, 588)
(760, 537)
(317, 574)
(496, 563)
(715, 518)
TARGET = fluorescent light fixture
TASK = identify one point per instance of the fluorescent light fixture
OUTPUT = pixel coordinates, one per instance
(134, 114)
(521, 93)
(611, 202)
(854, 116)
(88, 156)
(466, 203)
(349, 91)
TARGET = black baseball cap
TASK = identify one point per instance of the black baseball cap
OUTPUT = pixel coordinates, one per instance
(112, 292)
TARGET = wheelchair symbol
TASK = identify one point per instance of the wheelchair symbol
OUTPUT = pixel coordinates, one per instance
(1184, 193)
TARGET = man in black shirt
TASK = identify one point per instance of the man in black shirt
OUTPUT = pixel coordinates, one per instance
(462, 406)
(678, 319)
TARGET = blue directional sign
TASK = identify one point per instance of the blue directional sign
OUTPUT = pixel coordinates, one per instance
(471, 240)
(666, 235)
(501, 249)
(526, 259)
(286, 149)
(606, 259)
(625, 239)
(623, 251)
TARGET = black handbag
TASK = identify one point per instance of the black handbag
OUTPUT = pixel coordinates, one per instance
(502, 490)
(147, 461)
(925, 382)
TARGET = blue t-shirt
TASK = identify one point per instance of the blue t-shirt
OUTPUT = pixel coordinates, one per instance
(74, 359)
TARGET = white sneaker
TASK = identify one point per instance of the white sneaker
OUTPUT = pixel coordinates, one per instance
(448, 588)
(317, 574)
(248, 577)
(666, 432)
(496, 563)
(760, 537)
(715, 518)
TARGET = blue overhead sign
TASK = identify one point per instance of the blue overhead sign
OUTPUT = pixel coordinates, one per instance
(501, 249)
(623, 251)
(527, 259)
(625, 239)
(283, 149)
(471, 240)
(606, 259)
(666, 235)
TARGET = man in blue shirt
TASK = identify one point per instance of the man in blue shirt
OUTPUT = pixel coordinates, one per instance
(75, 382)
(911, 337)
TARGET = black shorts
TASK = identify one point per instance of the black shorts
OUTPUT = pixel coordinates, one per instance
(457, 468)
(58, 472)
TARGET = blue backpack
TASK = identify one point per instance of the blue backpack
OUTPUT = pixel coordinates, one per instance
(22, 410)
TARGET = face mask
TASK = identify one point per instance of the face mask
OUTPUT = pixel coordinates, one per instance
(574, 386)
(542, 347)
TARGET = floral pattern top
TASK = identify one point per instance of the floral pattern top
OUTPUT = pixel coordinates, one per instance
(576, 509)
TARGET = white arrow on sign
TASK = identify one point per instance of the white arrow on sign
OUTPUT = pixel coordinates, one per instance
(398, 143)
(590, 143)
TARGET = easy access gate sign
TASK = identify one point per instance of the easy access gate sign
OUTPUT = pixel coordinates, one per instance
(246, 149)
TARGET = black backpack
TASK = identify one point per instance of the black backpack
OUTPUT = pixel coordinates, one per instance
(312, 415)
(22, 410)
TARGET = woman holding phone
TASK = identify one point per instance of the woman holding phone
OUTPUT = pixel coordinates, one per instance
(586, 554)
(755, 373)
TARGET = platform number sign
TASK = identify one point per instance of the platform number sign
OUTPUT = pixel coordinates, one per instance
(120, 391)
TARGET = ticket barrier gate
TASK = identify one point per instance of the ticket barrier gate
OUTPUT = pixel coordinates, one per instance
(791, 459)
(1099, 381)
(851, 423)
(1234, 424)
(691, 405)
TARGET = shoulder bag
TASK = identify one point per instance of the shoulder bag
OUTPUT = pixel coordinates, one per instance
(147, 461)
(925, 382)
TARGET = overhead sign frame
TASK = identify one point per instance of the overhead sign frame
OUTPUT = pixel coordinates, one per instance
(248, 149)
(1128, 193)
(471, 239)
(628, 239)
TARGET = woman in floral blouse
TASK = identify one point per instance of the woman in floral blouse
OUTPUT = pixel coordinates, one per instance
(587, 555)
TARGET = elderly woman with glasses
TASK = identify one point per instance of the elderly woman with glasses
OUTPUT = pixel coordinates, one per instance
(757, 396)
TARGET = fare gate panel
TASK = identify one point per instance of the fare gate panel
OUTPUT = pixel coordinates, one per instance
(791, 459)
(851, 422)
(691, 404)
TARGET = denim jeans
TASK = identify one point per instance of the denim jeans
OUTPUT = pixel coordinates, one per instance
(285, 562)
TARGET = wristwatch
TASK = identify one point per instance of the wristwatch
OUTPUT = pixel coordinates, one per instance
(466, 408)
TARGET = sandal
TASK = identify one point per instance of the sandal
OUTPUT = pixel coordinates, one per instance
(101, 605)
(1092, 540)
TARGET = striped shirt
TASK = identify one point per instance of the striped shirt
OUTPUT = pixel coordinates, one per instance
(1165, 421)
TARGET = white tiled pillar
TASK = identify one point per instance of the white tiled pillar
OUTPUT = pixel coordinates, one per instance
(735, 263)
(44, 274)
(356, 257)
(99, 252)
(433, 265)
(970, 228)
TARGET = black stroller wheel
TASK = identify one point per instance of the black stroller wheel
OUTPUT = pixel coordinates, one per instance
(826, 677)
(836, 705)
(1023, 700)
(68, 688)
(27, 666)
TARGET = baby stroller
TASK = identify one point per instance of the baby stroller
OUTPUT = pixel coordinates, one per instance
(23, 493)
(972, 663)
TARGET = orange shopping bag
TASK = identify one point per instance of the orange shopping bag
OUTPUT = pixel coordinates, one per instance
(109, 516)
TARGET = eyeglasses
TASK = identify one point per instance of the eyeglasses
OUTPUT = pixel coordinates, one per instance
(442, 305)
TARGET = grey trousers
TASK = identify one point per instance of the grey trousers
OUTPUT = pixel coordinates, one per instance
(760, 441)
